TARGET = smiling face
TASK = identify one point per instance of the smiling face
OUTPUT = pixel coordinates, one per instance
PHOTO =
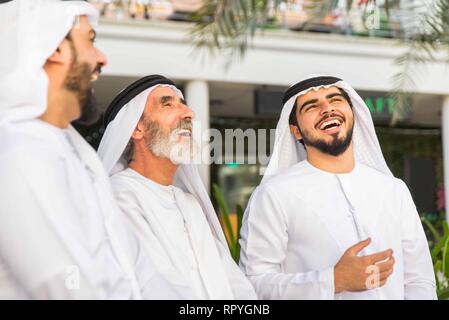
(324, 120)
(83, 37)
(85, 66)
(167, 126)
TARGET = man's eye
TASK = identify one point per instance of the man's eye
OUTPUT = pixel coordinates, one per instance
(310, 107)
(336, 100)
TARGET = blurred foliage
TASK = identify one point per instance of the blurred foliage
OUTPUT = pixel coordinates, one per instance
(229, 25)
(396, 143)
(232, 234)
(429, 35)
(439, 250)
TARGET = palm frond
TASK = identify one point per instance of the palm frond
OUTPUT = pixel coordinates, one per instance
(228, 26)
(431, 34)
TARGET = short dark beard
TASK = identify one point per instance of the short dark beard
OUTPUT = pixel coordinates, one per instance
(335, 148)
(78, 81)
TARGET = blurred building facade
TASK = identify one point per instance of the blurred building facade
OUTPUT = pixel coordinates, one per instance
(153, 38)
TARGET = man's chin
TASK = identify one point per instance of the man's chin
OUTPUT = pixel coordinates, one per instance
(184, 159)
(184, 153)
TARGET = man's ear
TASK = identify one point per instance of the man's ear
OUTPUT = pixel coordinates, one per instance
(295, 132)
(138, 133)
(62, 54)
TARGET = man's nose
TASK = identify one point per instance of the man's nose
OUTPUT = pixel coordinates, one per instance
(101, 58)
(326, 107)
(187, 112)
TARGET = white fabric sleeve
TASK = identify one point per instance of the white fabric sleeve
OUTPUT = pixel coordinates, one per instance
(419, 278)
(30, 248)
(150, 260)
(241, 288)
(264, 241)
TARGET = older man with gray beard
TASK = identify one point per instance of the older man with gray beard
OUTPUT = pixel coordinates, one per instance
(147, 148)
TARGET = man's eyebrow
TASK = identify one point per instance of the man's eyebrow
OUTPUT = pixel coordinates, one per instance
(165, 99)
(311, 101)
(335, 94)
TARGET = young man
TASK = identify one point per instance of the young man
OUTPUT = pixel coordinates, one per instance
(148, 147)
(61, 231)
(329, 221)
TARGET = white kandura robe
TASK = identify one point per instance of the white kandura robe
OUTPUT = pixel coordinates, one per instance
(56, 213)
(172, 227)
(301, 221)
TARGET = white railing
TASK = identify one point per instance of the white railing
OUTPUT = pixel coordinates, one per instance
(292, 14)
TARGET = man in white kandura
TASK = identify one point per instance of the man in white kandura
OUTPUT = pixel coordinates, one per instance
(61, 232)
(329, 220)
(147, 147)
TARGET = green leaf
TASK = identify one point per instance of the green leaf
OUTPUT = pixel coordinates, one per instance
(436, 269)
(443, 294)
(436, 235)
(437, 249)
(239, 211)
(225, 214)
(446, 258)
(445, 228)
(437, 266)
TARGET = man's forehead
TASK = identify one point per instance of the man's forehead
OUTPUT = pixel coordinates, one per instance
(82, 24)
(317, 93)
(160, 91)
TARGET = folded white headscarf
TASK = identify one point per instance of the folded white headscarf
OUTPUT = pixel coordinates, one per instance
(287, 151)
(30, 31)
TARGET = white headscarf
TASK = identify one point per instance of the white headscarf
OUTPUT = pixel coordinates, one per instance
(30, 31)
(287, 151)
(116, 137)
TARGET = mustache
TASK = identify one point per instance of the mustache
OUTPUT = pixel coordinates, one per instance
(184, 124)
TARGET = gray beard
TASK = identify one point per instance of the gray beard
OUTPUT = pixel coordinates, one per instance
(165, 145)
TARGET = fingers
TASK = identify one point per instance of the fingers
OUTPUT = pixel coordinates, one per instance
(383, 276)
(378, 256)
(382, 283)
(358, 247)
(384, 266)
(378, 280)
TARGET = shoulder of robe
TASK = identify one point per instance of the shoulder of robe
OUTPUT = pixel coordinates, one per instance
(121, 182)
(123, 187)
(27, 141)
(265, 190)
(128, 195)
(380, 178)
(402, 188)
(296, 174)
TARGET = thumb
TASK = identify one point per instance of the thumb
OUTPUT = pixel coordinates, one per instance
(358, 247)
